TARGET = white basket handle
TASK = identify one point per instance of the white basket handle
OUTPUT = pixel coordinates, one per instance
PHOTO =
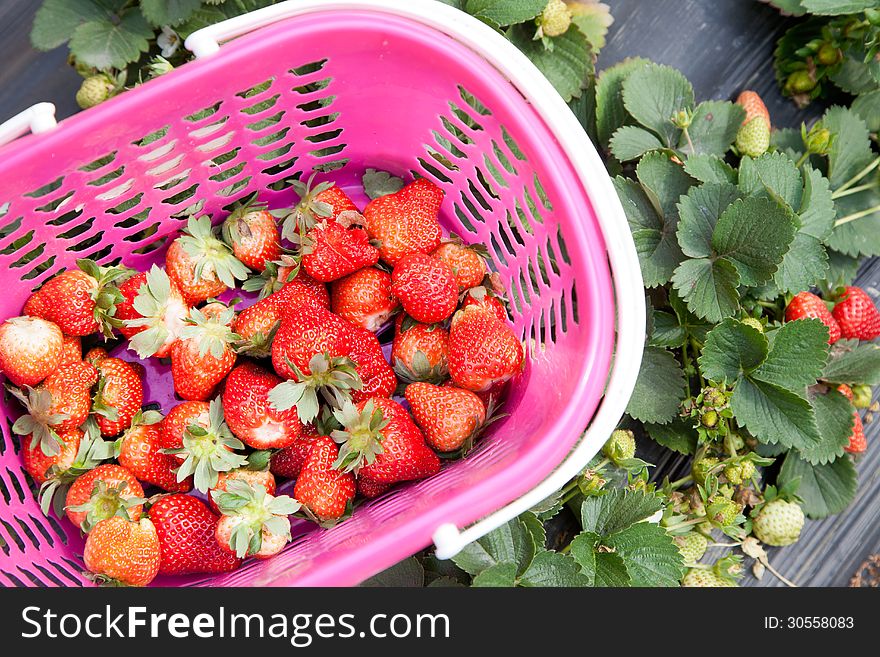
(36, 118)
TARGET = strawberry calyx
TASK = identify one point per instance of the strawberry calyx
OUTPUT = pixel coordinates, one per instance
(160, 312)
(105, 502)
(271, 279)
(332, 377)
(37, 422)
(259, 345)
(211, 333)
(361, 439)
(255, 511)
(235, 227)
(305, 214)
(208, 451)
(213, 259)
(105, 293)
(421, 369)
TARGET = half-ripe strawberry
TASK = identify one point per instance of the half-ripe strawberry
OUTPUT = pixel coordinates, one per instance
(80, 301)
(205, 449)
(262, 477)
(288, 462)
(201, 265)
(141, 453)
(381, 442)
(376, 375)
(482, 350)
(123, 551)
(251, 232)
(38, 464)
(186, 530)
(857, 441)
(153, 312)
(204, 354)
(364, 298)
(425, 286)
(108, 490)
(249, 414)
(451, 418)
(254, 523)
(753, 136)
(467, 262)
(420, 351)
(335, 248)
(31, 349)
(807, 305)
(482, 298)
(857, 315)
(406, 221)
(321, 487)
(119, 397)
(71, 350)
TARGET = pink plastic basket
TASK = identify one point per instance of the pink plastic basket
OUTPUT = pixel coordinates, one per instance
(337, 87)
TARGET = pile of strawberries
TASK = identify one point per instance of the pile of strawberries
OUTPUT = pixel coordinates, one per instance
(852, 315)
(295, 386)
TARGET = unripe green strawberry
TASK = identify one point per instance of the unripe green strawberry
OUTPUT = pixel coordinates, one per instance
(709, 418)
(714, 398)
(621, 446)
(722, 512)
(754, 323)
(733, 473)
(692, 546)
(753, 138)
(778, 523)
(698, 578)
(94, 90)
(700, 469)
(862, 396)
(800, 82)
(747, 470)
(828, 55)
(554, 20)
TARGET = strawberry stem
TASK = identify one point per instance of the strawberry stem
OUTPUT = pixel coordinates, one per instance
(856, 215)
(856, 178)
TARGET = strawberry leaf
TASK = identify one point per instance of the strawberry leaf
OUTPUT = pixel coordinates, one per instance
(731, 350)
(56, 19)
(610, 112)
(699, 211)
(601, 567)
(500, 575)
(105, 43)
(553, 569)
(666, 330)
(510, 543)
(653, 95)
(500, 13)
(678, 436)
(631, 142)
(836, 7)
(867, 106)
(824, 489)
(851, 147)
(798, 352)
(772, 175)
(659, 388)
(834, 415)
(617, 510)
(568, 66)
(713, 128)
(649, 554)
(710, 169)
(709, 288)
(168, 12)
(853, 363)
(774, 414)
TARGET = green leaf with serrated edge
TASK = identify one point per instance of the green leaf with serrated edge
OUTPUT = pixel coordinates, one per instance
(851, 147)
(824, 489)
(614, 512)
(593, 19)
(649, 554)
(732, 349)
(853, 363)
(583, 550)
(788, 141)
(659, 388)
(500, 575)
(710, 169)
(568, 66)
(678, 436)
(713, 128)
(610, 571)
(409, 573)
(501, 13)
(842, 269)
(631, 142)
(168, 12)
(664, 182)
(709, 288)
(867, 106)
(834, 416)
(792, 7)
(535, 527)
(836, 7)
(553, 569)
(106, 44)
(754, 234)
(653, 95)
(797, 355)
(804, 265)
(861, 236)
(204, 16)
(817, 212)
(853, 75)
(773, 175)
(380, 183)
(56, 19)
(693, 325)
(775, 415)
(666, 331)
(511, 542)
(698, 212)
(654, 238)
(610, 112)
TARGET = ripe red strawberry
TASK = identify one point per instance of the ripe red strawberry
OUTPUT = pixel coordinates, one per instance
(306, 330)
(141, 453)
(382, 443)
(808, 305)
(123, 551)
(320, 486)
(119, 397)
(249, 414)
(364, 298)
(288, 462)
(173, 427)
(108, 490)
(186, 528)
(152, 313)
(251, 232)
(256, 326)
(71, 350)
(200, 264)
(31, 349)
(451, 418)
(37, 463)
(377, 377)
(425, 286)
(60, 404)
(845, 390)
(262, 477)
(420, 351)
(483, 298)
(406, 221)
(277, 275)
(482, 350)
(370, 489)
(857, 441)
(323, 201)
(203, 355)
(857, 315)
(466, 262)
(335, 248)
(80, 301)
(753, 137)
(95, 355)
(254, 523)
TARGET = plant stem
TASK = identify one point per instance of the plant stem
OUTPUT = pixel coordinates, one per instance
(802, 159)
(687, 136)
(783, 579)
(678, 483)
(853, 190)
(856, 178)
(856, 215)
(686, 523)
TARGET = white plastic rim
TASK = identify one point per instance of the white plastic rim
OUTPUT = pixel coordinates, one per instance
(36, 118)
(626, 272)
